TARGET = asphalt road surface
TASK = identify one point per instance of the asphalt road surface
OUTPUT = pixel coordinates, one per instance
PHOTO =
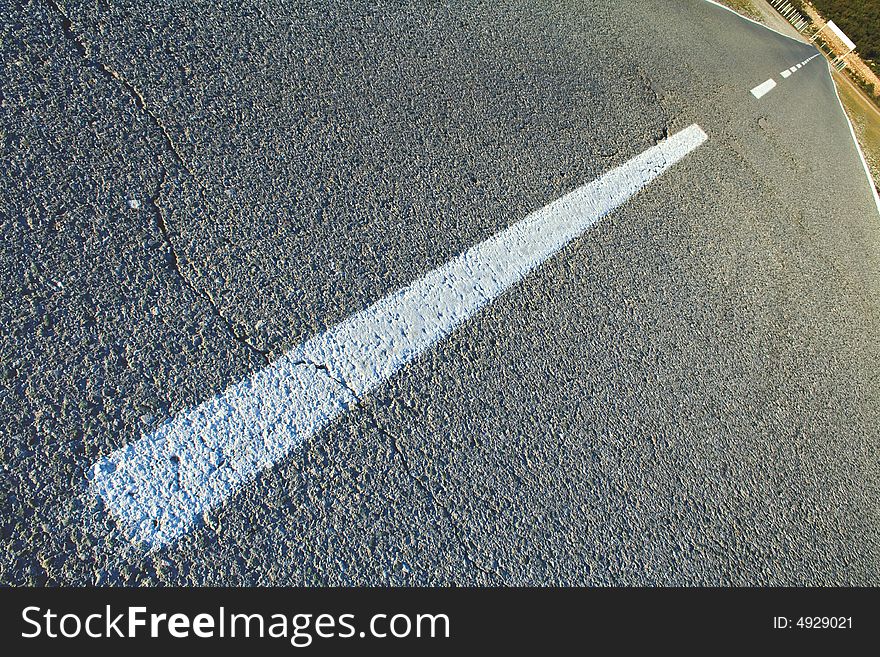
(687, 393)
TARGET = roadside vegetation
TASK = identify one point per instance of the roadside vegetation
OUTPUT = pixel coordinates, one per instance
(865, 118)
(860, 19)
(745, 7)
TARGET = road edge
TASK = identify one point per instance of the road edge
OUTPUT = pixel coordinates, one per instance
(752, 20)
(852, 132)
(855, 139)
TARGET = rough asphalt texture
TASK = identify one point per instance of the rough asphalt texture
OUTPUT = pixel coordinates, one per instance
(686, 395)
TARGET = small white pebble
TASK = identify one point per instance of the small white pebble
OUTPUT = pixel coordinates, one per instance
(134, 204)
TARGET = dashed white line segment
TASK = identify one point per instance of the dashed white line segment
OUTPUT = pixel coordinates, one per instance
(764, 88)
(789, 71)
(159, 486)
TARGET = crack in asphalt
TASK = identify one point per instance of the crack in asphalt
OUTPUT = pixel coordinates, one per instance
(663, 133)
(85, 52)
(166, 233)
(439, 506)
(653, 135)
(330, 374)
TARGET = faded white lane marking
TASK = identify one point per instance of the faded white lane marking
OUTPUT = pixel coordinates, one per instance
(764, 88)
(788, 72)
(159, 486)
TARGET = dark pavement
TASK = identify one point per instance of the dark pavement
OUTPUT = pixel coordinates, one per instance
(688, 394)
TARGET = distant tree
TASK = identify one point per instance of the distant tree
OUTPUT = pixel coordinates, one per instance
(860, 19)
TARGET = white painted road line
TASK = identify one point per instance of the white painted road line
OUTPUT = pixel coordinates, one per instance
(754, 22)
(160, 485)
(852, 132)
(764, 88)
(787, 72)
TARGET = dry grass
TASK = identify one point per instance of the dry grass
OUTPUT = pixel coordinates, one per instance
(866, 122)
(745, 7)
